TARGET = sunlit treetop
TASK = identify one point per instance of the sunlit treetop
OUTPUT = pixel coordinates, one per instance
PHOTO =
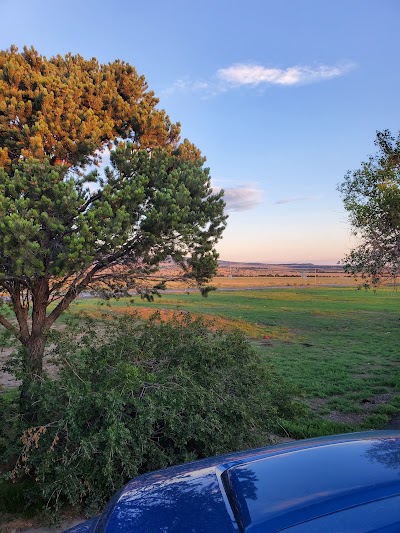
(68, 109)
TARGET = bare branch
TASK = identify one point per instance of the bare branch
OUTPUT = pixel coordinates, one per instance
(81, 210)
(14, 279)
(4, 322)
(68, 278)
(90, 200)
(86, 278)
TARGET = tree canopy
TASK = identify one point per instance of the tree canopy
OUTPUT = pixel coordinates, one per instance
(371, 196)
(67, 108)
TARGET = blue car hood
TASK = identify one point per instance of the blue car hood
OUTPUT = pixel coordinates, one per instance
(304, 484)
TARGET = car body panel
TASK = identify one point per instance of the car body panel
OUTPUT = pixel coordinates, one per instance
(295, 485)
(378, 516)
(304, 484)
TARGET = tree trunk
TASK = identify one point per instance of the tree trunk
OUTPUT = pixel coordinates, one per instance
(32, 376)
(35, 352)
(35, 345)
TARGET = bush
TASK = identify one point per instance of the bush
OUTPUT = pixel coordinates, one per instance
(139, 396)
(8, 417)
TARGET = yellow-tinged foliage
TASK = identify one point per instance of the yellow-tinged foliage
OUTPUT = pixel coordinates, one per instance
(67, 108)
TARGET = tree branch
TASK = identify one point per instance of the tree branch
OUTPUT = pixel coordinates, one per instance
(13, 279)
(61, 282)
(4, 322)
(21, 311)
(78, 286)
(89, 201)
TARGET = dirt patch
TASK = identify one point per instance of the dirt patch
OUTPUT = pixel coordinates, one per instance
(346, 418)
(362, 376)
(7, 381)
(35, 525)
(316, 404)
(368, 404)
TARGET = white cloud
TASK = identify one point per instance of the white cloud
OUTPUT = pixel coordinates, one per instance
(241, 198)
(297, 199)
(251, 74)
(185, 85)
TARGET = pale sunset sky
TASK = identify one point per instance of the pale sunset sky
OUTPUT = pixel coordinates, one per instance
(283, 97)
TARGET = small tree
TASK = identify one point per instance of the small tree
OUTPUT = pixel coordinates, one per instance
(371, 195)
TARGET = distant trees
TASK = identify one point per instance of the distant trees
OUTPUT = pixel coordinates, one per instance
(62, 230)
(371, 196)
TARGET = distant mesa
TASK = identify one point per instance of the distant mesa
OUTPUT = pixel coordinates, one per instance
(279, 266)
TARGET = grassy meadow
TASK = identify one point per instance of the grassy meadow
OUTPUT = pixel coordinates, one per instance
(338, 346)
(245, 281)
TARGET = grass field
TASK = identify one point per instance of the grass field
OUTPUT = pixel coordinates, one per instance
(339, 346)
(278, 280)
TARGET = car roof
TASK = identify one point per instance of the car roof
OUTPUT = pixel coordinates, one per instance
(285, 489)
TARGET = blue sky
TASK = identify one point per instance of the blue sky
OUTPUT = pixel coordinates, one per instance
(282, 97)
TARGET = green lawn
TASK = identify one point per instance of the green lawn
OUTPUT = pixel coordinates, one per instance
(340, 347)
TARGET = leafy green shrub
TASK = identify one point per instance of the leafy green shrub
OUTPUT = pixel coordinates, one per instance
(20, 498)
(137, 396)
(8, 416)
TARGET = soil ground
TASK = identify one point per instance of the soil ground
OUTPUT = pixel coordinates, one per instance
(33, 526)
(7, 381)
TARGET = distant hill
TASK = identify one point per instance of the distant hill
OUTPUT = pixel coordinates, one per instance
(169, 268)
(281, 267)
(237, 264)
